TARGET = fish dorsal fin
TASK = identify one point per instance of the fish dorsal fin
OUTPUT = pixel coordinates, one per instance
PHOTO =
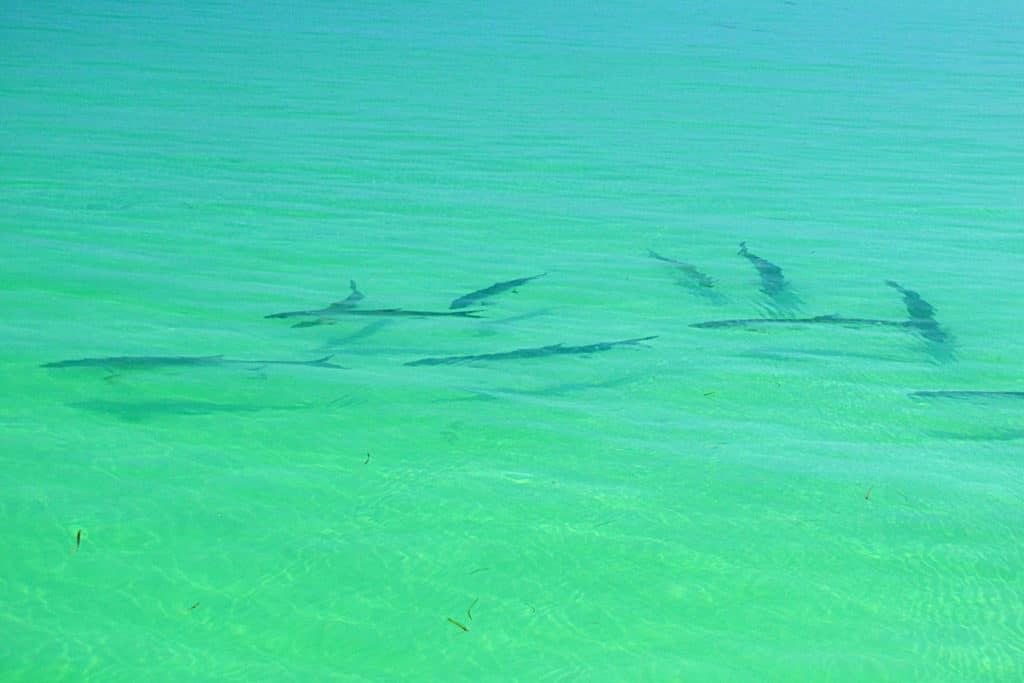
(356, 295)
(352, 299)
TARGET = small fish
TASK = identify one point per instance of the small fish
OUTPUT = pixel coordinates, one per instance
(78, 540)
(473, 298)
(536, 352)
(469, 610)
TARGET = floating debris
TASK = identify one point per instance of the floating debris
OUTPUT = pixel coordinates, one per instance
(466, 630)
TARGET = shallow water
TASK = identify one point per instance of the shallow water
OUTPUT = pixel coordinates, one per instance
(761, 502)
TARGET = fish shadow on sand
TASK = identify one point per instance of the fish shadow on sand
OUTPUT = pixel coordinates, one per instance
(693, 280)
(781, 299)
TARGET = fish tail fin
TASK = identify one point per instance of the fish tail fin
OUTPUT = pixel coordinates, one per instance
(323, 363)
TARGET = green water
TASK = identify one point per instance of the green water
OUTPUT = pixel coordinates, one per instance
(757, 503)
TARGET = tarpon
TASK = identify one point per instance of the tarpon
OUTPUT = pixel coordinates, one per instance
(151, 362)
(478, 297)
(816, 320)
(347, 307)
(381, 312)
(535, 352)
(967, 394)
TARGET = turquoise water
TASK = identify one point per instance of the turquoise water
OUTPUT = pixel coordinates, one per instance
(762, 502)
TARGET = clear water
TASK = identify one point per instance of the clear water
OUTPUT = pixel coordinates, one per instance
(750, 503)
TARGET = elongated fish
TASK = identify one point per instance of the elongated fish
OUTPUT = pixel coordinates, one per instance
(478, 297)
(535, 352)
(151, 362)
(938, 343)
(816, 320)
(967, 394)
(382, 313)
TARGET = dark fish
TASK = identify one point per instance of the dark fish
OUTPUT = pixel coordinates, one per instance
(345, 304)
(477, 297)
(690, 270)
(536, 352)
(967, 394)
(938, 342)
(817, 320)
(386, 313)
(150, 362)
(772, 281)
